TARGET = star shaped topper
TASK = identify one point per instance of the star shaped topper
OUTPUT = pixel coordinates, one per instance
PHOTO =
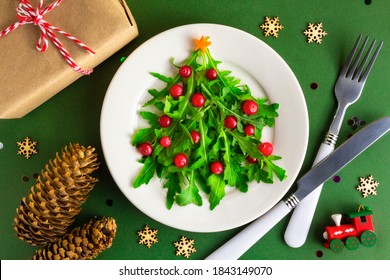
(202, 44)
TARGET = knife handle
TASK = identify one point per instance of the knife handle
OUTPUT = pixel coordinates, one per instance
(246, 238)
(302, 216)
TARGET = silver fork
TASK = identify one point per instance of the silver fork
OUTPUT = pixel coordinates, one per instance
(348, 89)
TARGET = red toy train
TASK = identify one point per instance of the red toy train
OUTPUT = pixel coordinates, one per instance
(359, 227)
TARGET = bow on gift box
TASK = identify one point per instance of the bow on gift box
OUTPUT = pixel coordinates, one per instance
(27, 15)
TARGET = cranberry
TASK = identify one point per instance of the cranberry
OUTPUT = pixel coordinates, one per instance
(216, 167)
(198, 99)
(211, 74)
(266, 148)
(165, 121)
(165, 141)
(195, 136)
(250, 107)
(185, 71)
(249, 130)
(230, 122)
(180, 160)
(251, 159)
(176, 91)
(145, 149)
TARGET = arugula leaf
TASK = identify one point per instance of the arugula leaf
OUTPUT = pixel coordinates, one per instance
(146, 173)
(248, 146)
(151, 117)
(143, 135)
(229, 173)
(190, 194)
(255, 172)
(159, 105)
(217, 189)
(163, 78)
(242, 180)
(279, 172)
(231, 166)
(201, 154)
(172, 184)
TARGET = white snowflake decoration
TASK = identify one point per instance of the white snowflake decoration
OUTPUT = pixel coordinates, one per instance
(148, 236)
(27, 147)
(271, 27)
(367, 186)
(314, 33)
(185, 247)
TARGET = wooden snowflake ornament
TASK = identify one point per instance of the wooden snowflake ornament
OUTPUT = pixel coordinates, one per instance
(27, 147)
(315, 33)
(148, 236)
(367, 186)
(271, 27)
(185, 247)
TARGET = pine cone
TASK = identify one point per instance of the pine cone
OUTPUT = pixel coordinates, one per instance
(56, 198)
(82, 243)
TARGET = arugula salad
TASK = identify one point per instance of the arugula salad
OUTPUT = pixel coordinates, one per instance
(206, 136)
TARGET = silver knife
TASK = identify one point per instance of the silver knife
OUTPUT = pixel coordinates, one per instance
(325, 169)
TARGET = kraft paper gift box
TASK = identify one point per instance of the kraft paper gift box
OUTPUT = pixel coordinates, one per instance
(29, 77)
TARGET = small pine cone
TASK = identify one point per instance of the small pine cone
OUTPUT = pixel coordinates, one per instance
(82, 243)
(56, 198)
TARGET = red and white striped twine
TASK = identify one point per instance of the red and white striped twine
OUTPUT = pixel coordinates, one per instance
(27, 15)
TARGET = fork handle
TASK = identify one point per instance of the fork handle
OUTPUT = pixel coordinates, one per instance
(302, 216)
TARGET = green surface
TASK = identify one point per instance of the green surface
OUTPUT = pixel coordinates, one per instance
(73, 115)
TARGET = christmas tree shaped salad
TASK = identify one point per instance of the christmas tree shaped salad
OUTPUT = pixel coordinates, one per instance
(207, 133)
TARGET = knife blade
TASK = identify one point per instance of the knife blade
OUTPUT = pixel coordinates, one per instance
(320, 173)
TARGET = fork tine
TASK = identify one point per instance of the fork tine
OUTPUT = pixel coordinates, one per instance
(352, 70)
(368, 69)
(361, 67)
(343, 72)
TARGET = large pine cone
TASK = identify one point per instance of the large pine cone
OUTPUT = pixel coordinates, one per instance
(56, 198)
(82, 243)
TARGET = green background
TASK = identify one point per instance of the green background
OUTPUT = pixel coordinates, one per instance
(73, 115)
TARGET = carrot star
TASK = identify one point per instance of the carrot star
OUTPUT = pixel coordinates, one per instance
(202, 44)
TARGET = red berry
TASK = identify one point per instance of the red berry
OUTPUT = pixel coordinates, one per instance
(198, 99)
(165, 121)
(165, 141)
(145, 149)
(250, 107)
(216, 167)
(251, 159)
(176, 91)
(249, 130)
(230, 122)
(195, 136)
(185, 71)
(180, 160)
(211, 74)
(266, 148)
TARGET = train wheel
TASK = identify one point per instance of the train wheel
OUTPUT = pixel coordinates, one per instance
(352, 243)
(336, 245)
(368, 238)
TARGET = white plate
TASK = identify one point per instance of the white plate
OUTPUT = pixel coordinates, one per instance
(249, 59)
